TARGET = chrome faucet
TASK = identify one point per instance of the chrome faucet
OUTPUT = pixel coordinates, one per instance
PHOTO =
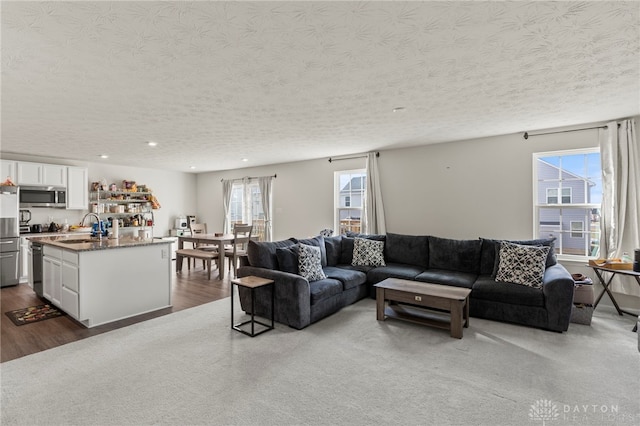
(98, 220)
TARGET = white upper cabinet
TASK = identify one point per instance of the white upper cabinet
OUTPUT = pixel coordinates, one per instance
(54, 175)
(77, 188)
(29, 173)
(8, 170)
(41, 174)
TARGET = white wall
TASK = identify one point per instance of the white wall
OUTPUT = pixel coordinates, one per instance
(175, 190)
(302, 195)
(465, 189)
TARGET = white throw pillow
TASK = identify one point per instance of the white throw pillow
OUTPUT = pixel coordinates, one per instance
(368, 252)
(310, 263)
(522, 264)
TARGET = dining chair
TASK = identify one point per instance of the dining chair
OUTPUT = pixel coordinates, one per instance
(200, 228)
(241, 237)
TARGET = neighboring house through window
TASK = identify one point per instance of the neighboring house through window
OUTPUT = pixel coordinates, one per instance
(568, 195)
(349, 195)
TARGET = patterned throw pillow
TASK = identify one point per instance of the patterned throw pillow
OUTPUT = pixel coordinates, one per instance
(309, 263)
(368, 252)
(522, 264)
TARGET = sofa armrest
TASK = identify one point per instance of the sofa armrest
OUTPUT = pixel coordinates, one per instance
(292, 298)
(558, 287)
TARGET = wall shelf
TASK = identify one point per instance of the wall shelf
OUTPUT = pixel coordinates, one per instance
(125, 205)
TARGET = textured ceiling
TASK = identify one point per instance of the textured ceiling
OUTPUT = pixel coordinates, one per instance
(215, 82)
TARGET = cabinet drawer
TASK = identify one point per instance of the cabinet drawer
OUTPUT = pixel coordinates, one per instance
(70, 277)
(70, 302)
(52, 252)
(428, 301)
(70, 256)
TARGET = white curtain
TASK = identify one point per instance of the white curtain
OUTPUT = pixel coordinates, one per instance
(265, 184)
(227, 186)
(620, 224)
(374, 222)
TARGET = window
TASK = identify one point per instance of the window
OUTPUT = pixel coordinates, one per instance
(568, 195)
(552, 195)
(349, 193)
(246, 207)
(577, 229)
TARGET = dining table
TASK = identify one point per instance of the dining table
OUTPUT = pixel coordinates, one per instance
(217, 239)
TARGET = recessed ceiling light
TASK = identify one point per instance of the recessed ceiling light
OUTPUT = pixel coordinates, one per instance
(398, 109)
(104, 156)
(192, 167)
(245, 159)
(152, 143)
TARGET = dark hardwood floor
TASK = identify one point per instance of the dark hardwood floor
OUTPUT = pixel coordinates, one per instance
(190, 288)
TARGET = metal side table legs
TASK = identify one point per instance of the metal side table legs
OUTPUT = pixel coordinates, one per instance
(252, 283)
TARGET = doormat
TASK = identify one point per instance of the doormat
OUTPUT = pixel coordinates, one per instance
(33, 314)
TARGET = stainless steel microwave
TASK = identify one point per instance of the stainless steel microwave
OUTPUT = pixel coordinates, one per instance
(43, 196)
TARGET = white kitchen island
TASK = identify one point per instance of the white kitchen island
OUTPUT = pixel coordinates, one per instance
(101, 281)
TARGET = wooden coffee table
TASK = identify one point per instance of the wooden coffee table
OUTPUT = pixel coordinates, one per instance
(435, 305)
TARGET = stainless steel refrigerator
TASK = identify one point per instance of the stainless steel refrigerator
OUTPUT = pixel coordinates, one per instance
(9, 236)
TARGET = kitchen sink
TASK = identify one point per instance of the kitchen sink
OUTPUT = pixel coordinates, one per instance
(92, 240)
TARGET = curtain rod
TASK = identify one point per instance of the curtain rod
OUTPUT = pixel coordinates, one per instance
(351, 158)
(527, 135)
(251, 177)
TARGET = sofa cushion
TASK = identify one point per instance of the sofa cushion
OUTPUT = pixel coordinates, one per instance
(368, 252)
(393, 270)
(349, 278)
(323, 289)
(454, 255)
(333, 247)
(310, 263)
(288, 259)
(522, 264)
(346, 250)
(490, 248)
(452, 278)
(408, 249)
(486, 288)
(318, 242)
(263, 254)
(364, 269)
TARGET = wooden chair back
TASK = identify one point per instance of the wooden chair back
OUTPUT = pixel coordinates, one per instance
(241, 237)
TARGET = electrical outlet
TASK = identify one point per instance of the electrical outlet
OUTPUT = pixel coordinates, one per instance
(165, 253)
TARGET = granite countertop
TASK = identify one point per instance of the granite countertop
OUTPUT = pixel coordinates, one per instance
(49, 234)
(86, 243)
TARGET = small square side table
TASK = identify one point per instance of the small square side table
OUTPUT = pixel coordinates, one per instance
(251, 282)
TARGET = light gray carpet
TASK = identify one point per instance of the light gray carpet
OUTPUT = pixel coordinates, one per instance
(190, 368)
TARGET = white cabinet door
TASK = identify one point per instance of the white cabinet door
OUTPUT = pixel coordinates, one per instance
(41, 174)
(70, 287)
(52, 279)
(8, 170)
(54, 175)
(77, 188)
(29, 173)
(24, 259)
(70, 302)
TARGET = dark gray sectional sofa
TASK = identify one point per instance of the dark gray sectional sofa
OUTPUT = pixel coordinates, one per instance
(462, 263)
